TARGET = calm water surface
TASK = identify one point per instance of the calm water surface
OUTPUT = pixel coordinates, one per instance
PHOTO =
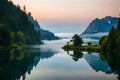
(56, 64)
(50, 62)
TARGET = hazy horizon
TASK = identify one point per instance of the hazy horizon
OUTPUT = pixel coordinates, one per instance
(69, 16)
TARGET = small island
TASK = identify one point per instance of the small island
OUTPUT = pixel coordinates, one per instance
(78, 45)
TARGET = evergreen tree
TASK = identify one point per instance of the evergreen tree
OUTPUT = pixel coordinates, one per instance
(111, 43)
(24, 9)
(77, 41)
(118, 27)
(101, 40)
(118, 44)
(89, 43)
(111, 40)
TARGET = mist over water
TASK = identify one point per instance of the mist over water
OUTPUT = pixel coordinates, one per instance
(85, 39)
(69, 35)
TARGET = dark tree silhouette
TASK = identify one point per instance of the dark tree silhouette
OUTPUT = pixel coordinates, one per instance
(24, 9)
(77, 41)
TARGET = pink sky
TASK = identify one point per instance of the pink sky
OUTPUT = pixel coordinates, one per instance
(70, 10)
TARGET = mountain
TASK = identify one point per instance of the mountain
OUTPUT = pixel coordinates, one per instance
(47, 35)
(101, 25)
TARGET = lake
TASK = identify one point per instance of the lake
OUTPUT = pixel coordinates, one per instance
(51, 62)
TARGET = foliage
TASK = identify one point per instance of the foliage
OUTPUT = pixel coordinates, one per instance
(101, 40)
(104, 43)
(20, 36)
(111, 43)
(111, 40)
(89, 43)
(92, 48)
(24, 9)
(19, 27)
(77, 41)
(16, 63)
(77, 45)
(110, 47)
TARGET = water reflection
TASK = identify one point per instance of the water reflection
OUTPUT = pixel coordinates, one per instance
(109, 63)
(76, 55)
(50, 62)
(113, 60)
(97, 64)
(14, 64)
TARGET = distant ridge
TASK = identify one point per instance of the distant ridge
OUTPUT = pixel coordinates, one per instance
(101, 25)
(47, 35)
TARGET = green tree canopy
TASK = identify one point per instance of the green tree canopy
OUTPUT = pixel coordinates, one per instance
(111, 43)
(77, 41)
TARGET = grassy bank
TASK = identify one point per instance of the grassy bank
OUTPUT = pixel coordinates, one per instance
(92, 48)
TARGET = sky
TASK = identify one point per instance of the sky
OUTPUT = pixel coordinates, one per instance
(69, 16)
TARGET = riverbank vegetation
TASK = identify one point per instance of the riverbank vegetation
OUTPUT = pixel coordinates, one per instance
(92, 48)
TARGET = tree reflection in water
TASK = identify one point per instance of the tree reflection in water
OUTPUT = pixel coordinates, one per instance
(14, 64)
(110, 58)
(113, 60)
(76, 55)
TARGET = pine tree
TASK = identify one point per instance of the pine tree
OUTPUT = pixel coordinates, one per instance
(24, 9)
(77, 41)
(111, 40)
(118, 27)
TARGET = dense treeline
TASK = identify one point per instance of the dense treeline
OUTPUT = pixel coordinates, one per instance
(111, 42)
(15, 26)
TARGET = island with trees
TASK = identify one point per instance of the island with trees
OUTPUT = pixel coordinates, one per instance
(78, 45)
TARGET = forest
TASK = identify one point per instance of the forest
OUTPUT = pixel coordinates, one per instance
(15, 28)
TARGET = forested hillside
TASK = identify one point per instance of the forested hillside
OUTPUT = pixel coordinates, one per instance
(111, 42)
(15, 26)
